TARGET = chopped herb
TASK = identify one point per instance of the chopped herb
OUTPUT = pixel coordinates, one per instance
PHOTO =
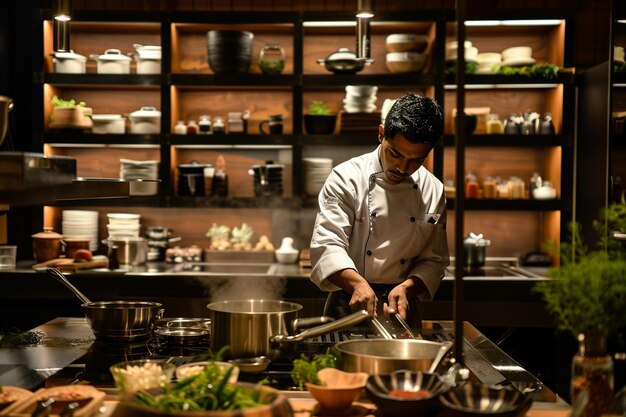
(549, 71)
(305, 369)
(16, 338)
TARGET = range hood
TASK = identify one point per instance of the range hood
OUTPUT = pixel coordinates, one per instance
(28, 179)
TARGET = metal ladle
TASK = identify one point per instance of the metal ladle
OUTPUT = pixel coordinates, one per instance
(58, 275)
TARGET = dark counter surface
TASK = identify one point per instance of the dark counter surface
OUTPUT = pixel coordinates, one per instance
(68, 339)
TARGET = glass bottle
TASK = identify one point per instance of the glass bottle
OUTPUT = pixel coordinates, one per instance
(218, 125)
(204, 125)
(494, 125)
(592, 372)
(192, 127)
(471, 186)
(272, 59)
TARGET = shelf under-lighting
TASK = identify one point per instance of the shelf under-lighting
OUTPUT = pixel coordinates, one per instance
(501, 86)
(232, 146)
(333, 24)
(529, 22)
(101, 145)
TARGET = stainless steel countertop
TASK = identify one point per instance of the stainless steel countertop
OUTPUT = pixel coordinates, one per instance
(69, 338)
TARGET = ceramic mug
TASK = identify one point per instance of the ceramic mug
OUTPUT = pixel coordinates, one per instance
(275, 123)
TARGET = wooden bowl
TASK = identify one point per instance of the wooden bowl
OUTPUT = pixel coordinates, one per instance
(88, 398)
(339, 390)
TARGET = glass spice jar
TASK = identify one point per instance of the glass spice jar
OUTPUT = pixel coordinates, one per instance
(272, 59)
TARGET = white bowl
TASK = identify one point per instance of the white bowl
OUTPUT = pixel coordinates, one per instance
(286, 257)
(470, 53)
(399, 62)
(517, 52)
(406, 42)
(489, 58)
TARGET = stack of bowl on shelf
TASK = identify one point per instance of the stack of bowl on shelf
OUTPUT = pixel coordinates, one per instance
(123, 225)
(81, 224)
(406, 52)
(488, 62)
(316, 171)
(360, 98)
(230, 51)
(518, 56)
(140, 170)
(470, 52)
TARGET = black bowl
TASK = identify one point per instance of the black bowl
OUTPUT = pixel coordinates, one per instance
(229, 51)
(320, 124)
(470, 123)
(474, 399)
(380, 389)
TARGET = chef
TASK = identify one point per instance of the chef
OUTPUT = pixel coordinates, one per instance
(380, 232)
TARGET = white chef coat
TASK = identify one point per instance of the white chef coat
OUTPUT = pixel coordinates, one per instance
(385, 232)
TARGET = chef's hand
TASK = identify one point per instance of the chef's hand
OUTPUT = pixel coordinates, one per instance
(364, 298)
(398, 302)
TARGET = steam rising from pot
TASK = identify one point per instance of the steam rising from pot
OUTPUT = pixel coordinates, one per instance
(243, 288)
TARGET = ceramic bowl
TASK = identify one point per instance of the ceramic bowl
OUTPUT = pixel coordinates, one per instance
(141, 374)
(339, 390)
(406, 393)
(517, 52)
(474, 399)
(286, 257)
(399, 62)
(406, 42)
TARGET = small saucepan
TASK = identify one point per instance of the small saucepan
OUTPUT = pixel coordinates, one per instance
(115, 320)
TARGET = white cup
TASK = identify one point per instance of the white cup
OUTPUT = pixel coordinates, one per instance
(7, 256)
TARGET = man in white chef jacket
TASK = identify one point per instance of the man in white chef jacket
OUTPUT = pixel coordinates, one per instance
(380, 233)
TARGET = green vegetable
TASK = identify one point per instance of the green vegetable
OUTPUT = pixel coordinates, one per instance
(206, 391)
(318, 107)
(271, 67)
(305, 369)
(59, 102)
(549, 71)
(16, 338)
(470, 68)
(619, 67)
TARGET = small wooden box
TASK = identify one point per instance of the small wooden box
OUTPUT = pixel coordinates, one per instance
(239, 256)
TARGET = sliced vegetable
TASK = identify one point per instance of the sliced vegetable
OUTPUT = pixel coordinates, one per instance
(305, 369)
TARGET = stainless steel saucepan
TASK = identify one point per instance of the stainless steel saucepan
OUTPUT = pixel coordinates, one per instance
(254, 328)
(115, 320)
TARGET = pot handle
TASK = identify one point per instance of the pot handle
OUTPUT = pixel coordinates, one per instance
(337, 325)
(307, 322)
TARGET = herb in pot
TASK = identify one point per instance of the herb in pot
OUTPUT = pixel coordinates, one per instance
(272, 67)
(59, 102)
(319, 108)
(305, 369)
(549, 71)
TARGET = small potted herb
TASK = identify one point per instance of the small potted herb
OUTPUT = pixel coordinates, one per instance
(68, 114)
(319, 120)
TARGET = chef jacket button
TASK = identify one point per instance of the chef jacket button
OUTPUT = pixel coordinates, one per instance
(402, 261)
(373, 214)
(415, 186)
(412, 219)
(369, 253)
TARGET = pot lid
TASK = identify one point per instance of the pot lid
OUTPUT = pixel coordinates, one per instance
(106, 117)
(111, 55)
(342, 54)
(69, 55)
(476, 239)
(48, 233)
(146, 112)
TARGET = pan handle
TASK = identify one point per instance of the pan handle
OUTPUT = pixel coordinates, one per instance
(334, 326)
(58, 275)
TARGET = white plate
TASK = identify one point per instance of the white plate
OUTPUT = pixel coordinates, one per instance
(518, 62)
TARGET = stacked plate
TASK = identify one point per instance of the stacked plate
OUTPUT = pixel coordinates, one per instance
(360, 98)
(140, 170)
(488, 62)
(123, 225)
(517, 56)
(81, 224)
(316, 171)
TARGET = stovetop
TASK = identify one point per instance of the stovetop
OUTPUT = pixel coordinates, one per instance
(93, 367)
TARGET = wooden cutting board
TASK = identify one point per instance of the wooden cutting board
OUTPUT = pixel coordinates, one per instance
(68, 264)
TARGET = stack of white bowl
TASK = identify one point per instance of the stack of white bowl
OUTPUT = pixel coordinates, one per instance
(140, 170)
(488, 62)
(470, 51)
(360, 98)
(316, 171)
(81, 224)
(123, 225)
(518, 56)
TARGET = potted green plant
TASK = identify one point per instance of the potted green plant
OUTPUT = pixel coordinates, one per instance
(319, 120)
(586, 295)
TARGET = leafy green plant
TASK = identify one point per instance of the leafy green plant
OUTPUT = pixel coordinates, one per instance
(319, 108)
(305, 369)
(59, 102)
(619, 67)
(549, 71)
(470, 68)
(587, 293)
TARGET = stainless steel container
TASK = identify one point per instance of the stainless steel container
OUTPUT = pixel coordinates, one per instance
(122, 320)
(130, 251)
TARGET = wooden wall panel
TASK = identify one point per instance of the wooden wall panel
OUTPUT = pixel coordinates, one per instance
(92, 162)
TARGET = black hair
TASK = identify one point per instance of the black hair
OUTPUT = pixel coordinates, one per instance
(418, 118)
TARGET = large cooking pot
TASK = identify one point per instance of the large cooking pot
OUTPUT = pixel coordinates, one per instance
(381, 356)
(115, 320)
(254, 328)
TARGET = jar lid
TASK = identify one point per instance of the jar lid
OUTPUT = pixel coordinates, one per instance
(111, 55)
(69, 55)
(476, 239)
(48, 233)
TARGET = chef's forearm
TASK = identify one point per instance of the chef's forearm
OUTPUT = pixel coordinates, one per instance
(347, 279)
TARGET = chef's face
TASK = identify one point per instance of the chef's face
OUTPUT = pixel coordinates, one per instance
(399, 157)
